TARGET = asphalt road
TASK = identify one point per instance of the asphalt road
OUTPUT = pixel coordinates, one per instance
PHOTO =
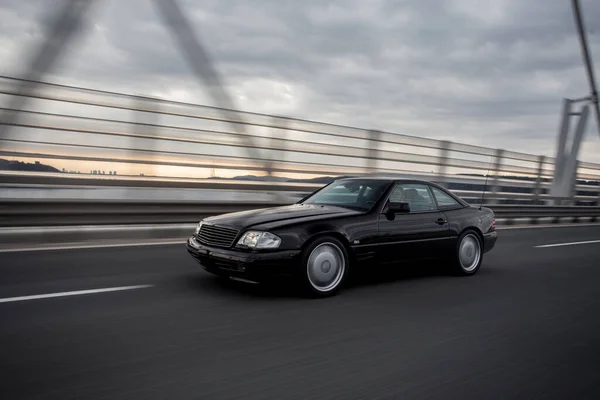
(527, 326)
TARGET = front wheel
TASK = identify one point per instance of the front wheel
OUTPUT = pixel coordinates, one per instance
(469, 254)
(324, 266)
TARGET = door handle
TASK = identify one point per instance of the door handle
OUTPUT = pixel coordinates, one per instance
(441, 221)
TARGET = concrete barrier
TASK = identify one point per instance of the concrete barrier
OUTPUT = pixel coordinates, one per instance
(48, 235)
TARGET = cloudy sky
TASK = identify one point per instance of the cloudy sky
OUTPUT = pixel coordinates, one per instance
(486, 72)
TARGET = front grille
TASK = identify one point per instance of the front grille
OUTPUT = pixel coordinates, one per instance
(218, 236)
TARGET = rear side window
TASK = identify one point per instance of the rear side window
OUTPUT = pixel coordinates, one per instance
(444, 200)
(415, 194)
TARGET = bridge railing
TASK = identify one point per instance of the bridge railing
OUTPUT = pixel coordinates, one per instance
(176, 140)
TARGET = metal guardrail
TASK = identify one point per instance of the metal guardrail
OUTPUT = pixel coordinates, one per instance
(69, 213)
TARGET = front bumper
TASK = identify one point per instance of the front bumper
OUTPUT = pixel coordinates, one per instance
(489, 241)
(249, 265)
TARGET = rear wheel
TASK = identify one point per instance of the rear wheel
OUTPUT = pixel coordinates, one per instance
(324, 266)
(469, 254)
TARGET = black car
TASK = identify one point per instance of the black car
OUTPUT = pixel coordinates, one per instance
(350, 222)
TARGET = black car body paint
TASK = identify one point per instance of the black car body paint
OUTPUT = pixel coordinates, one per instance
(370, 234)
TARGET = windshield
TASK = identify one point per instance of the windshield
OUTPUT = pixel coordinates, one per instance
(355, 194)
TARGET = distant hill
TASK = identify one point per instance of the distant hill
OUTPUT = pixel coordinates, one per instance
(257, 178)
(254, 178)
(475, 187)
(8, 165)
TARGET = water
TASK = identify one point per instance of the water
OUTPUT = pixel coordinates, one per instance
(143, 194)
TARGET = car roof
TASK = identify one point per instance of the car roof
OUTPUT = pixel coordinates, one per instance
(400, 179)
(383, 178)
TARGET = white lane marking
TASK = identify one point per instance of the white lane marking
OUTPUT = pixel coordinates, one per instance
(72, 293)
(544, 226)
(567, 244)
(92, 246)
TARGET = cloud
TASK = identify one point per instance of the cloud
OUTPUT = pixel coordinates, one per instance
(489, 72)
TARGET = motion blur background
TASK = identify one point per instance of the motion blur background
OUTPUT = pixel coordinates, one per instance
(111, 100)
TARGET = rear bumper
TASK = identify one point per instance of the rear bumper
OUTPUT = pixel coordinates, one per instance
(489, 241)
(256, 266)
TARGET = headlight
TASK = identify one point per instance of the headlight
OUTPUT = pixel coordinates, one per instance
(197, 231)
(259, 240)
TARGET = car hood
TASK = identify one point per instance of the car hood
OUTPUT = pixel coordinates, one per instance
(291, 213)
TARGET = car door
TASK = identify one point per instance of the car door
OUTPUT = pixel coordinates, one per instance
(455, 214)
(413, 235)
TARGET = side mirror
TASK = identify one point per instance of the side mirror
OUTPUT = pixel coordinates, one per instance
(397, 208)
(394, 208)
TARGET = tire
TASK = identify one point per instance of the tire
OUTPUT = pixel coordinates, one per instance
(324, 267)
(468, 253)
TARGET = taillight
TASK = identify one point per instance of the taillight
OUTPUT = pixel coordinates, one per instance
(493, 227)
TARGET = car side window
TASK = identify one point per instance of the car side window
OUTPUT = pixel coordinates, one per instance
(416, 195)
(397, 195)
(443, 199)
